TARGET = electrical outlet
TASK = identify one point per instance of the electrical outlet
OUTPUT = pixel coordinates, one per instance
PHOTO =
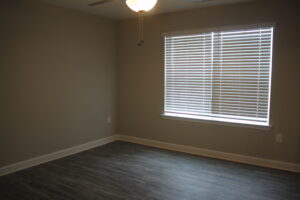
(278, 138)
(108, 119)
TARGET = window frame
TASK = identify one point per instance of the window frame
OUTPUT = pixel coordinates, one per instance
(216, 121)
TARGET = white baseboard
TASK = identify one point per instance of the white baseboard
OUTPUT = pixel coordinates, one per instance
(214, 154)
(53, 156)
(153, 143)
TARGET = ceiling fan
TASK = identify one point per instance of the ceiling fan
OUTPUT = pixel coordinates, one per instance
(135, 5)
(96, 3)
(139, 6)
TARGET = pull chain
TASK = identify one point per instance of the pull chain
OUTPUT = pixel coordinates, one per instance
(141, 28)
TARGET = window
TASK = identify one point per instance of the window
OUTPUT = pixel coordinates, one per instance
(221, 76)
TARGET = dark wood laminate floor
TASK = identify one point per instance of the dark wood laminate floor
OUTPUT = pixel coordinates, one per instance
(125, 171)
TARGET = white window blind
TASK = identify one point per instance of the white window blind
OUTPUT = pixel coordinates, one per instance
(221, 76)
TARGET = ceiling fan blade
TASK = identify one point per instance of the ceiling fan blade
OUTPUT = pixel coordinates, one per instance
(200, 1)
(99, 2)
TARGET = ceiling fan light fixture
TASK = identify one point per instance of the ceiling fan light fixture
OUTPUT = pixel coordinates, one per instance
(141, 5)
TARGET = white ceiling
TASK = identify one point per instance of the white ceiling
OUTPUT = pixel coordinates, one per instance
(117, 9)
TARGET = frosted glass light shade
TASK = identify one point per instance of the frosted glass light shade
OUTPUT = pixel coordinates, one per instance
(141, 5)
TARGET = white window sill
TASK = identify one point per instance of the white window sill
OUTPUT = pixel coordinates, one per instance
(211, 121)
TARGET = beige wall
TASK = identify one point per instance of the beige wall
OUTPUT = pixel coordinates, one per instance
(140, 81)
(57, 79)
